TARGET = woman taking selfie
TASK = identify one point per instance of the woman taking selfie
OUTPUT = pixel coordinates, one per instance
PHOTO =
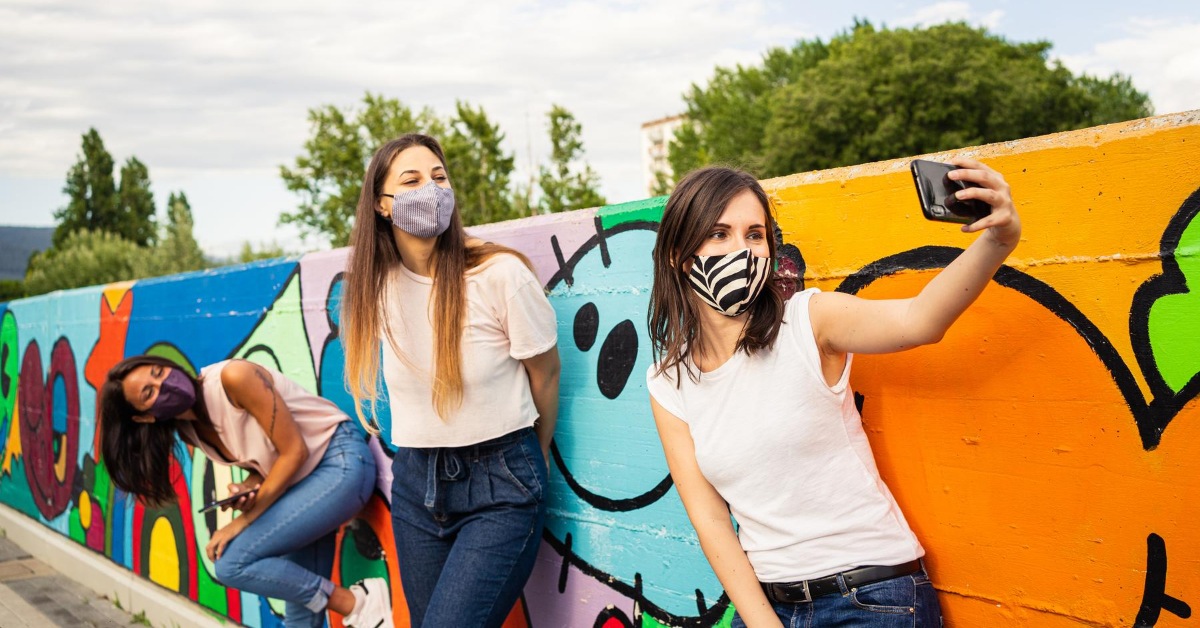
(310, 472)
(751, 400)
(471, 366)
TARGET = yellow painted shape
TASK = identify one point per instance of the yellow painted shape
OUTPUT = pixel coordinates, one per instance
(1093, 204)
(12, 450)
(85, 510)
(164, 559)
(60, 465)
(114, 292)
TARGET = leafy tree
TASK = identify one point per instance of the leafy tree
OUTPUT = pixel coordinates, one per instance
(872, 94)
(86, 258)
(177, 250)
(11, 289)
(561, 189)
(328, 176)
(480, 171)
(92, 193)
(135, 204)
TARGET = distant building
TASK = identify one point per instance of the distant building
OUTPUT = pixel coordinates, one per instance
(17, 244)
(656, 141)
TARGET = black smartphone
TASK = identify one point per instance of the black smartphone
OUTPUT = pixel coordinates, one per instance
(228, 500)
(936, 191)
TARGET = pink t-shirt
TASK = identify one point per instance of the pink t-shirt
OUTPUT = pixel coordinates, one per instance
(315, 416)
(508, 320)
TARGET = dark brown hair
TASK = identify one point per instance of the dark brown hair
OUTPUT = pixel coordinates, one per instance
(373, 257)
(138, 455)
(674, 319)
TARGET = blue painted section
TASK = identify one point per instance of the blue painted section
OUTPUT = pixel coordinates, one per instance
(333, 364)
(206, 314)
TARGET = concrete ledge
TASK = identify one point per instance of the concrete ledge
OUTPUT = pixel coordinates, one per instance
(136, 594)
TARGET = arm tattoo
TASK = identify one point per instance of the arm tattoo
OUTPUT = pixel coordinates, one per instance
(270, 386)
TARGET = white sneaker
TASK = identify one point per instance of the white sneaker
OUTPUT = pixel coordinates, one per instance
(373, 605)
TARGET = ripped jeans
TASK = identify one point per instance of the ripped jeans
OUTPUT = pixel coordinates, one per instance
(288, 551)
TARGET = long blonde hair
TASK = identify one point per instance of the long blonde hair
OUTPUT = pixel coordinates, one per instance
(373, 257)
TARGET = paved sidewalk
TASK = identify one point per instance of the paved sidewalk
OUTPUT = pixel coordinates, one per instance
(34, 596)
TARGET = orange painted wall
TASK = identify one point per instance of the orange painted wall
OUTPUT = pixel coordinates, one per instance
(1044, 453)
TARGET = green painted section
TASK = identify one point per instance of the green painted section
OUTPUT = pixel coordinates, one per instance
(12, 368)
(274, 344)
(649, 209)
(14, 490)
(724, 622)
(169, 352)
(355, 566)
(209, 593)
(1174, 323)
(75, 528)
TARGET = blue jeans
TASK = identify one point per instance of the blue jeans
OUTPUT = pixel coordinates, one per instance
(288, 551)
(907, 601)
(468, 523)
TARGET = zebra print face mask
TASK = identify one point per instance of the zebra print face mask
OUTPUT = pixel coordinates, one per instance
(729, 283)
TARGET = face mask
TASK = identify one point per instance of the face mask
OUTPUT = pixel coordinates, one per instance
(424, 212)
(729, 283)
(176, 395)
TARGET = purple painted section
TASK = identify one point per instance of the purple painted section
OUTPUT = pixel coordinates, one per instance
(532, 236)
(317, 271)
(581, 600)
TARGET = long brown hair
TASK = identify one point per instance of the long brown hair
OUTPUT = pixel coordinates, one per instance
(138, 455)
(373, 257)
(674, 318)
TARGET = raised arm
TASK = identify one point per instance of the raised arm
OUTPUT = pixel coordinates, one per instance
(709, 514)
(252, 388)
(844, 323)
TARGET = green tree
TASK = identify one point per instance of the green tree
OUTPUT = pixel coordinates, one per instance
(480, 171)
(86, 258)
(328, 176)
(177, 250)
(561, 189)
(11, 289)
(872, 94)
(728, 118)
(90, 188)
(135, 204)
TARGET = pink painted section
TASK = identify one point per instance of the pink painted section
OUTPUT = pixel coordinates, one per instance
(531, 236)
(317, 271)
(579, 604)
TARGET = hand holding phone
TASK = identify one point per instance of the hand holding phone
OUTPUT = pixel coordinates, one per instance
(228, 501)
(936, 191)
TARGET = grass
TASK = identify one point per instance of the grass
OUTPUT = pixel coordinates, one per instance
(140, 618)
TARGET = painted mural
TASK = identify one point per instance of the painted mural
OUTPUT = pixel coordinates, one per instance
(1046, 452)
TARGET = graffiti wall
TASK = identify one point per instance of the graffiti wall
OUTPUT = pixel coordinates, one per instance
(1046, 452)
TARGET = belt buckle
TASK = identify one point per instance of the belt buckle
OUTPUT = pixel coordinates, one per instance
(807, 593)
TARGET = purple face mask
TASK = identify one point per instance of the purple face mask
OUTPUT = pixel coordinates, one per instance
(176, 395)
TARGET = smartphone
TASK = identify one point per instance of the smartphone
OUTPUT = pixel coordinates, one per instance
(936, 191)
(228, 500)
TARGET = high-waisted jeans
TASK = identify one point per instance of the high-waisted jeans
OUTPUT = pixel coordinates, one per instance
(468, 524)
(288, 551)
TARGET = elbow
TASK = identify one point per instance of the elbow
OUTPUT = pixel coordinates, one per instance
(300, 454)
(928, 336)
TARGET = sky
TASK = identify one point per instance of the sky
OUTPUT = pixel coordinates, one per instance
(213, 96)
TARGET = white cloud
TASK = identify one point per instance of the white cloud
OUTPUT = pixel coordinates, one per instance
(951, 12)
(1160, 55)
(222, 88)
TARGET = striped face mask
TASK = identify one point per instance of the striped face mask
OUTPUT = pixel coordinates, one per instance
(424, 212)
(729, 283)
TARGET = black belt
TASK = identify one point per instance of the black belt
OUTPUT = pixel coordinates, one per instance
(806, 590)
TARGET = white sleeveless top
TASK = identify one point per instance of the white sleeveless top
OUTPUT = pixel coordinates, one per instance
(789, 455)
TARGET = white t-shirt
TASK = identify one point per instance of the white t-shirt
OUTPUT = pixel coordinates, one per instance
(508, 319)
(789, 455)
